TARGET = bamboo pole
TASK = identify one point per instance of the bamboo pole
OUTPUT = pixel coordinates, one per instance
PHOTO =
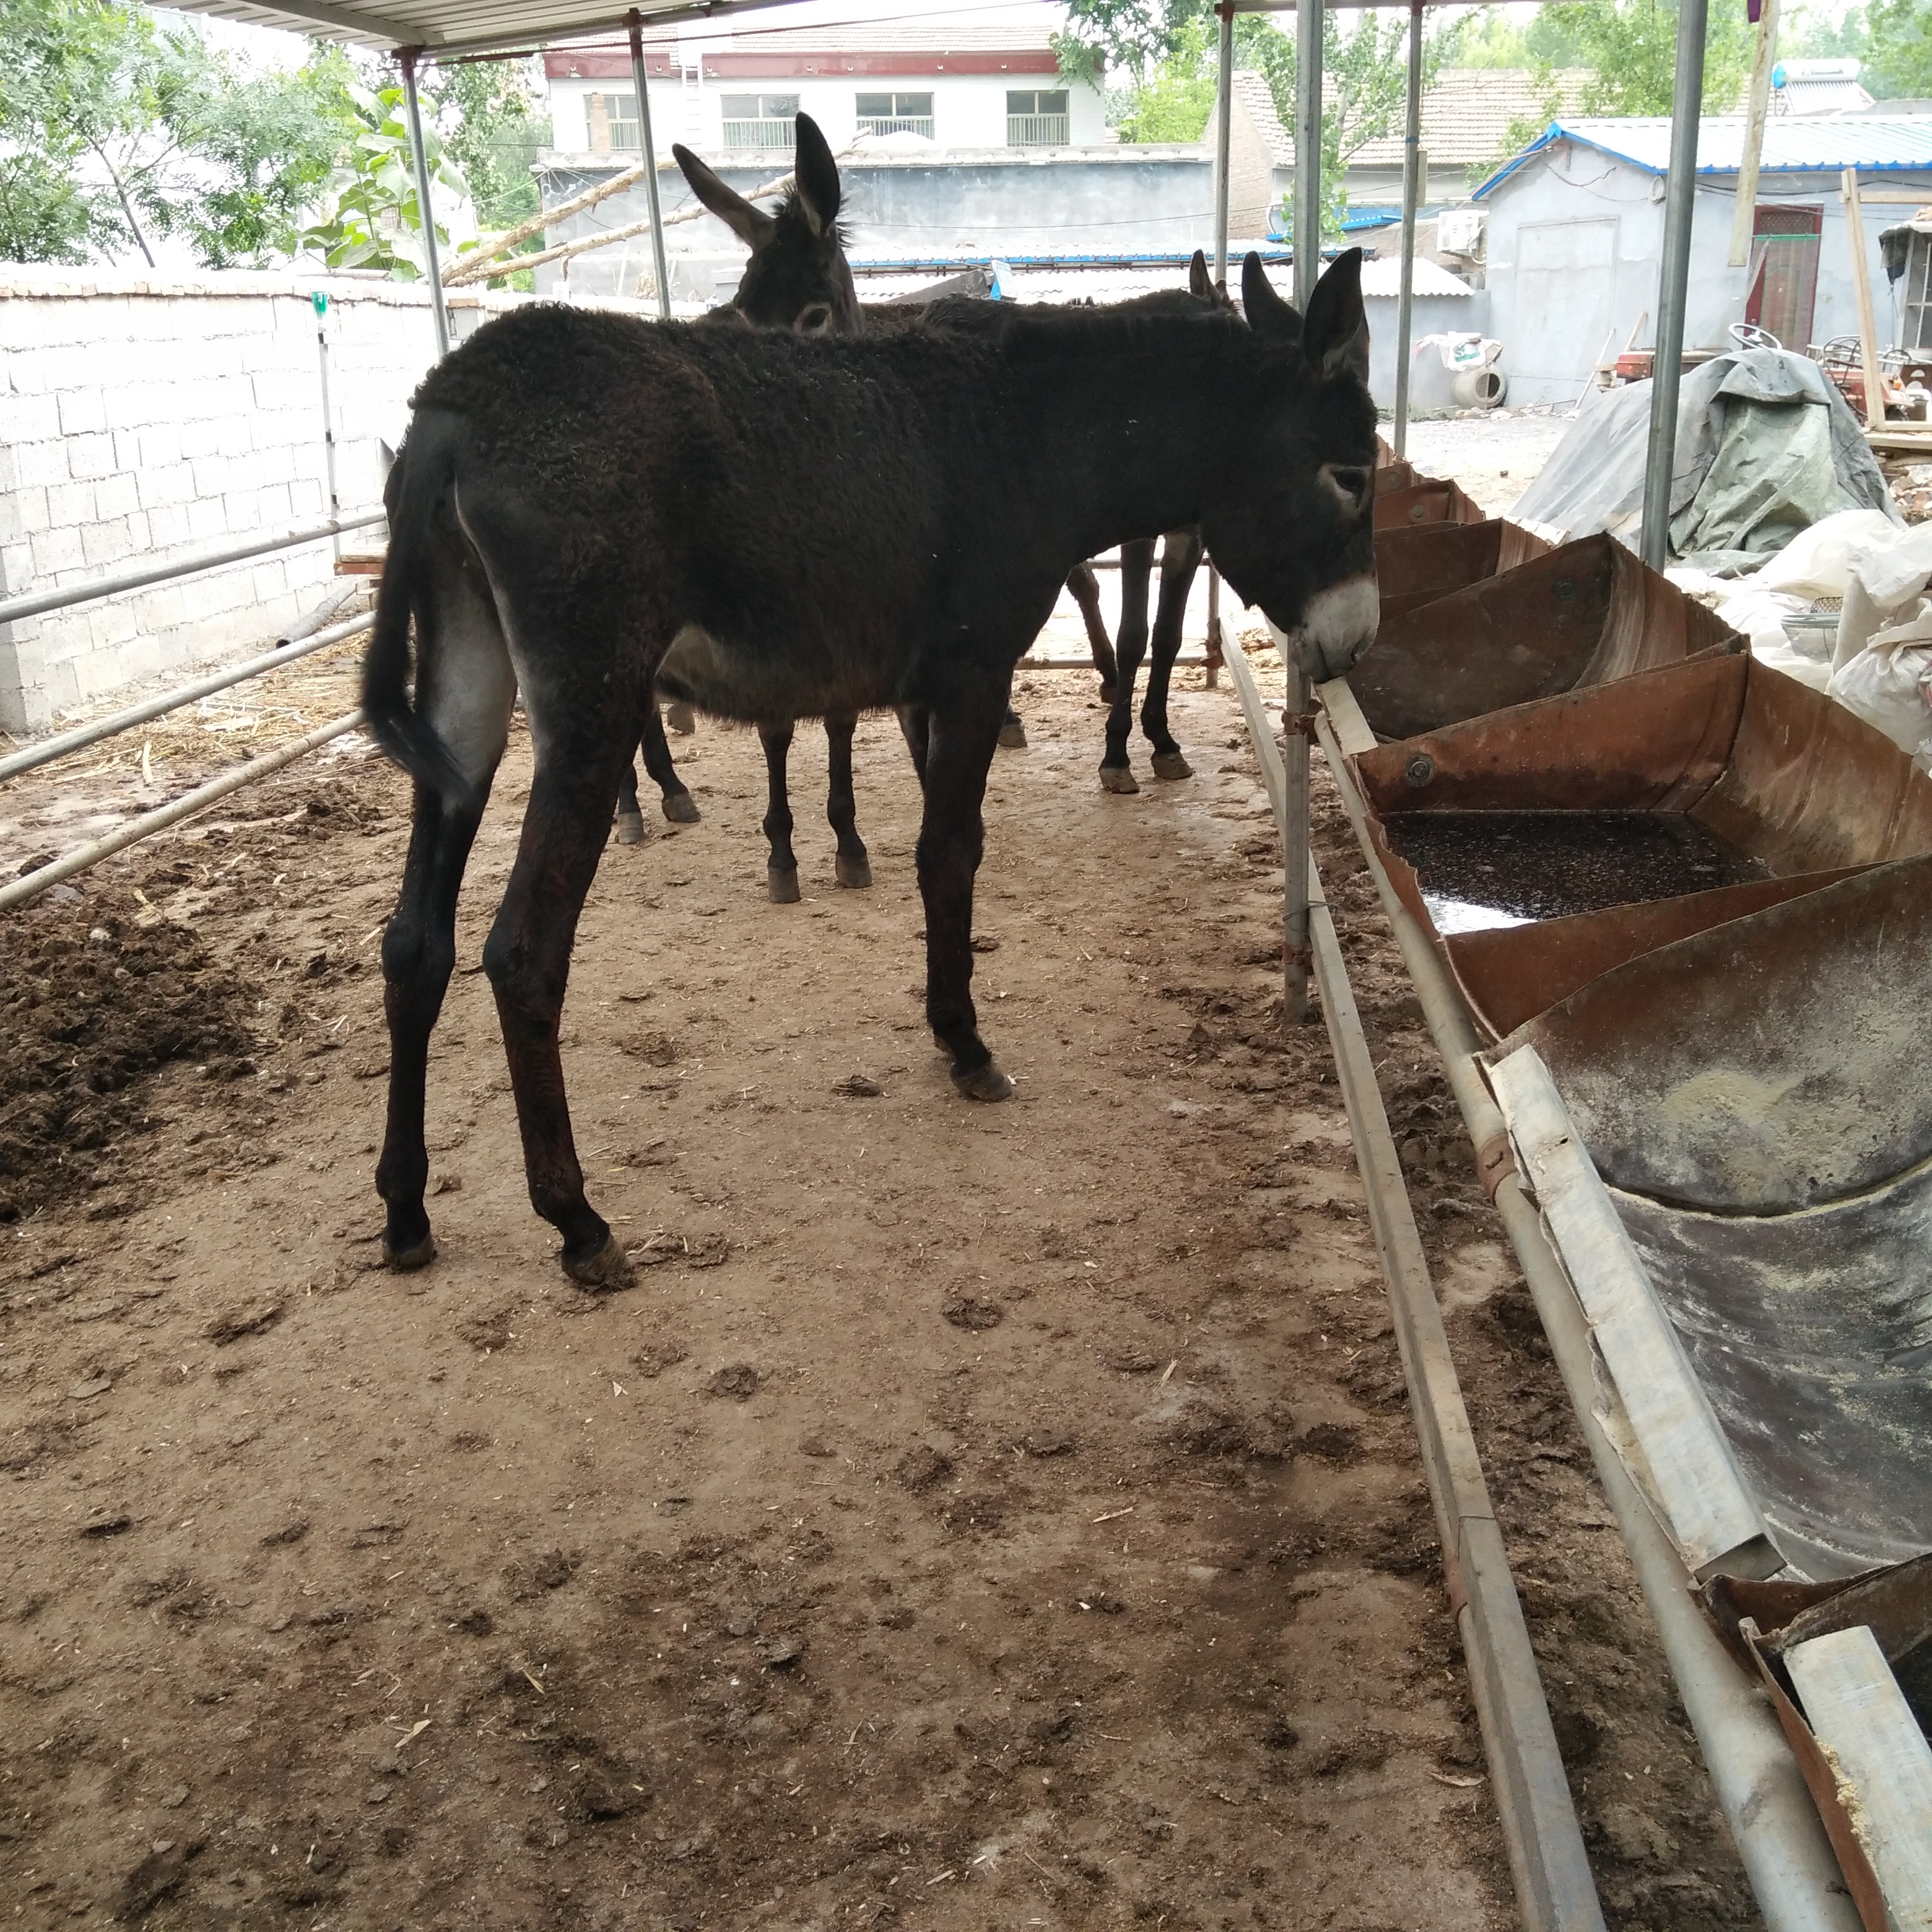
(1855, 235)
(1743, 220)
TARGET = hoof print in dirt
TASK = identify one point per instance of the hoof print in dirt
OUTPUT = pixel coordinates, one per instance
(702, 1251)
(1132, 1362)
(856, 1087)
(782, 1653)
(113, 1522)
(817, 1444)
(1210, 1428)
(1093, 1597)
(921, 1468)
(377, 1536)
(1278, 1734)
(475, 1623)
(1045, 1442)
(553, 1569)
(970, 1312)
(235, 1323)
(737, 1381)
(292, 1531)
(157, 1875)
(1332, 1442)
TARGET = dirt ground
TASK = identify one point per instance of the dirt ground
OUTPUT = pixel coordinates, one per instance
(969, 1517)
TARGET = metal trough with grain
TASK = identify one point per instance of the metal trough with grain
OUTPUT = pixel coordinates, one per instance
(1670, 915)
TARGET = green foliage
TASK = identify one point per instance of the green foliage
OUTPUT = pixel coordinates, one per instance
(1805, 33)
(494, 126)
(372, 218)
(1174, 103)
(1630, 48)
(116, 129)
(1899, 66)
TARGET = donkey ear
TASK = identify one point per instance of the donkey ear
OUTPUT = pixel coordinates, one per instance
(1199, 282)
(816, 174)
(1337, 338)
(1267, 314)
(752, 225)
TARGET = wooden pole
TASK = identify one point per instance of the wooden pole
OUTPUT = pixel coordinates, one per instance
(1854, 237)
(1744, 221)
(1297, 709)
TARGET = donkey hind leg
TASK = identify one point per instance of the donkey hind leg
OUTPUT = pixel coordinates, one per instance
(1085, 586)
(465, 691)
(916, 727)
(781, 863)
(678, 806)
(959, 751)
(631, 830)
(852, 867)
(1136, 568)
(527, 957)
(1179, 558)
(1013, 733)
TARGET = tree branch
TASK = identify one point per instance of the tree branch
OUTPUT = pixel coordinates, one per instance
(127, 206)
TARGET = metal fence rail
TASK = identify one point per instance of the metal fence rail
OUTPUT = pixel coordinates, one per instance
(37, 602)
(1554, 1890)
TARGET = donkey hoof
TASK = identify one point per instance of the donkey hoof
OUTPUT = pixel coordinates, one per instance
(1110, 694)
(678, 716)
(418, 1254)
(1012, 736)
(1172, 765)
(609, 1267)
(984, 1083)
(630, 828)
(680, 808)
(782, 885)
(854, 872)
(1118, 778)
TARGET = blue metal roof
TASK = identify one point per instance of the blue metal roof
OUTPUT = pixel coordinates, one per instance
(1871, 144)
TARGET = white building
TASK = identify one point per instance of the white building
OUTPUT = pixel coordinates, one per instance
(731, 89)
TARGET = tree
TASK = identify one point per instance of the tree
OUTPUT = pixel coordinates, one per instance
(1900, 65)
(116, 132)
(372, 218)
(490, 116)
(1629, 47)
(1364, 81)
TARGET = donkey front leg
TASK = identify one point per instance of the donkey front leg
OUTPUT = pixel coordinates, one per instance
(960, 741)
(527, 957)
(418, 955)
(1136, 570)
(631, 827)
(1179, 558)
(678, 806)
(781, 862)
(852, 867)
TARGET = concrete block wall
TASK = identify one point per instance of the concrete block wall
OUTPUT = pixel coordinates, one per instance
(143, 417)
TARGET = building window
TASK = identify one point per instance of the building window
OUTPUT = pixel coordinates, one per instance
(1036, 118)
(612, 120)
(761, 120)
(895, 114)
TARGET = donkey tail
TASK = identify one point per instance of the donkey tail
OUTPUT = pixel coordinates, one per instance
(422, 475)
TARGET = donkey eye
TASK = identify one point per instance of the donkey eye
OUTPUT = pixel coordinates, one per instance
(815, 318)
(1351, 483)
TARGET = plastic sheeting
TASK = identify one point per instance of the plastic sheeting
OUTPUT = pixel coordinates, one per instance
(1766, 447)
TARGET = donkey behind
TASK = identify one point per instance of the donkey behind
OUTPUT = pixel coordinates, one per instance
(778, 527)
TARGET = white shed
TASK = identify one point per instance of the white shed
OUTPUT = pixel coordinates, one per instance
(1575, 231)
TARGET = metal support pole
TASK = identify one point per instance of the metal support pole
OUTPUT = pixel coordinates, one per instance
(419, 159)
(1412, 194)
(319, 302)
(1307, 150)
(1296, 957)
(1223, 122)
(1744, 219)
(1687, 114)
(1214, 659)
(649, 155)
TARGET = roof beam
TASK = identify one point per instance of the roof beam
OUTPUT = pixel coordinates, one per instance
(374, 27)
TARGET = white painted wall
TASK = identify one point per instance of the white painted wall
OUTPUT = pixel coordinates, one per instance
(968, 110)
(141, 419)
(1576, 243)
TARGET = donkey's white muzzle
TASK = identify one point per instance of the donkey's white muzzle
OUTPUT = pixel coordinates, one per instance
(1338, 626)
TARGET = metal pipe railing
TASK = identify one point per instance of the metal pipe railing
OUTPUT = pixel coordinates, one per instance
(1412, 166)
(17, 892)
(1554, 1890)
(82, 735)
(37, 602)
(640, 80)
(1779, 1835)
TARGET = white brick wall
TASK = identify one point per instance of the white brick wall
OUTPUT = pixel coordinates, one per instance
(140, 418)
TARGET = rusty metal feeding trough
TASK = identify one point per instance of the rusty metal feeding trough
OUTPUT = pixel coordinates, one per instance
(1691, 908)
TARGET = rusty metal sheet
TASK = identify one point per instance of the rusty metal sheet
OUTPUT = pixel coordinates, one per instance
(1586, 613)
(1416, 565)
(1392, 472)
(1427, 500)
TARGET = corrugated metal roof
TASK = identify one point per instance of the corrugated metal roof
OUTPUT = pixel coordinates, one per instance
(1868, 142)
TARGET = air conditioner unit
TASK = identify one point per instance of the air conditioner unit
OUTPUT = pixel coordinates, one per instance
(1459, 231)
